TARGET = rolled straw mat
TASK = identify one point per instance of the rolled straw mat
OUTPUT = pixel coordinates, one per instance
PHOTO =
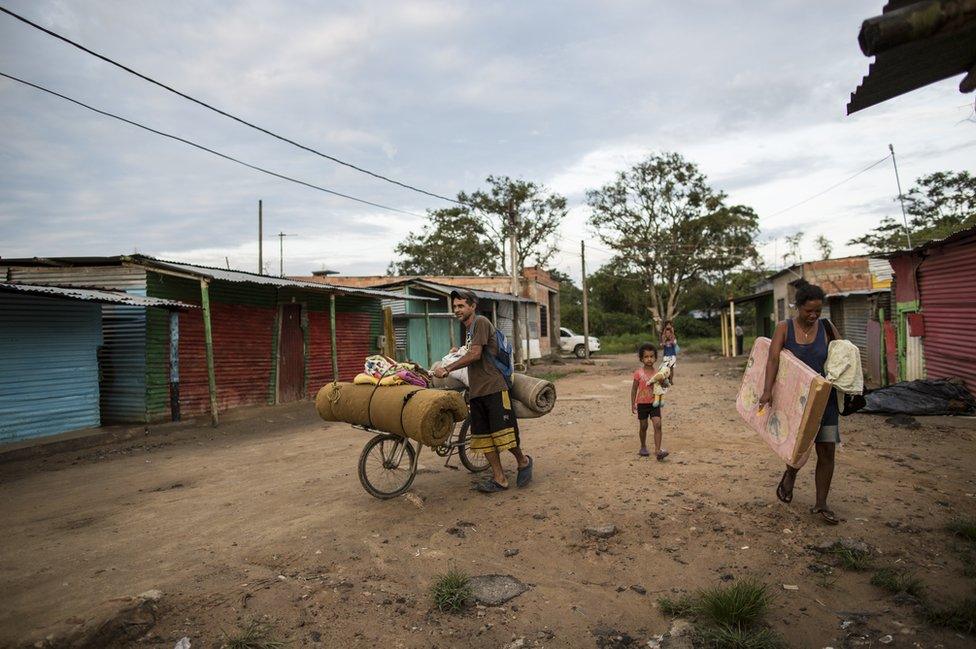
(424, 415)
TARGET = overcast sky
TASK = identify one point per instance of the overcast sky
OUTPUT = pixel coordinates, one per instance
(439, 95)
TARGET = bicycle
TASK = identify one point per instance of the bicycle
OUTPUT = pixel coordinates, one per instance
(383, 472)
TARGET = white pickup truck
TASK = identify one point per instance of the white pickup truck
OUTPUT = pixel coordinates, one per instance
(573, 344)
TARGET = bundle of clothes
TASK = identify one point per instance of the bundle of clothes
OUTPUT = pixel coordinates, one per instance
(383, 370)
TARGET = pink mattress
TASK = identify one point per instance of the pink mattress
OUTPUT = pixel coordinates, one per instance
(790, 424)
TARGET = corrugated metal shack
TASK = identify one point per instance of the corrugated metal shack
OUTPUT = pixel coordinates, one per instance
(410, 320)
(935, 306)
(54, 359)
(255, 339)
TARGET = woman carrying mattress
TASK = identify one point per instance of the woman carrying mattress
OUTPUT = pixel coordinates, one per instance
(806, 335)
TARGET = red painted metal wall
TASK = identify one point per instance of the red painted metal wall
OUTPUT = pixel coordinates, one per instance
(903, 268)
(242, 357)
(948, 300)
(353, 341)
(291, 354)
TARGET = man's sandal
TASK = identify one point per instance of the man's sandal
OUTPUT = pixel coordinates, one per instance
(828, 516)
(524, 476)
(490, 487)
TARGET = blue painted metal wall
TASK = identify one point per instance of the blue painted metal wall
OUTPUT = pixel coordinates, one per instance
(123, 355)
(49, 366)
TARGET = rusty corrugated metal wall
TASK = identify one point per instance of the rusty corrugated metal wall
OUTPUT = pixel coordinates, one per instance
(359, 321)
(948, 303)
(242, 321)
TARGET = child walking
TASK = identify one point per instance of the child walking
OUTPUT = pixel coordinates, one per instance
(669, 346)
(647, 397)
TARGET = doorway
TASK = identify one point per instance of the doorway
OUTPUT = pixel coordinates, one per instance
(291, 354)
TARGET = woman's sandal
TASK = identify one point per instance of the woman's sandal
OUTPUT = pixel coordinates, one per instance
(828, 516)
(781, 493)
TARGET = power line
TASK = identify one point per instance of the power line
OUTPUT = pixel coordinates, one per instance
(832, 187)
(203, 148)
(222, 112)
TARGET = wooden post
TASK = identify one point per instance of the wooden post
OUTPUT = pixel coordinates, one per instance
(389, 333)
(452, 329)
(735, 338)
(430, 352)
(332, 337)
(722, 322)
(586, 309)
(883, 381)
(174, 365)
(208, 343)
(494, 313)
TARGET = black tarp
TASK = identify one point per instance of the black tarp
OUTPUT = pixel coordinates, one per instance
(922, 397)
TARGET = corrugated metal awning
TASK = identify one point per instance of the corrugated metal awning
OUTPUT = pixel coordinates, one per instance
(482, 294)
(915, 44)
(206, 272)
(866, 291)
(224, 275)
(93, 295)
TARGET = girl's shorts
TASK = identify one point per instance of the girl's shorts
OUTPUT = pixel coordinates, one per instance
(645, 410)
(829, 434)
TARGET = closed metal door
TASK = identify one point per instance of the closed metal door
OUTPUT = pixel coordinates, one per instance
(291, 355)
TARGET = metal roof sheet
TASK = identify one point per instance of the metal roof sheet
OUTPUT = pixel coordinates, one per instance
(482, 294)
(931, 47)
(207, 272)
(222, 274)
(93, 295)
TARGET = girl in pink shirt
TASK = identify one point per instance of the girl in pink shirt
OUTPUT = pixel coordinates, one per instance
(644, 402)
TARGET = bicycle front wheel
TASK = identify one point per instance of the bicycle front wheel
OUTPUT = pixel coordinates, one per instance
(387, 466)
(473, 462)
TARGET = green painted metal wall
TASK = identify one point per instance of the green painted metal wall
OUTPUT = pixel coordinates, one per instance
(440, 339)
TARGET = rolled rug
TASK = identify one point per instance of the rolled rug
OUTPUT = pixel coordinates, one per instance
(424, 415)
(522, 411)
(451, 382)
(535, 394)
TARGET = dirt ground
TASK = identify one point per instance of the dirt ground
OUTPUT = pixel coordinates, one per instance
(264, 518)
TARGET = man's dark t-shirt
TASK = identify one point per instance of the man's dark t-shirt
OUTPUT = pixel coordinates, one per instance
(483, 377)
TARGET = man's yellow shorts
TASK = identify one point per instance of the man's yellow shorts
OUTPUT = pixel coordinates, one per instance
(493, 423)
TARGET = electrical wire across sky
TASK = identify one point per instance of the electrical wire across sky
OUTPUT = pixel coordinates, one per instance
(207, 149)
(208, 106)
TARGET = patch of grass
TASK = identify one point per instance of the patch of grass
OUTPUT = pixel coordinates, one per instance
(253, 635)
(451, 590)
(850, 559)
(684, 606)
(554, 375)
(964, 528)
(898, 581)
(726, 637)
(960, 617)
(740, 605)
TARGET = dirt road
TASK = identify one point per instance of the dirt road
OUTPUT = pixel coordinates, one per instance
(264, 518)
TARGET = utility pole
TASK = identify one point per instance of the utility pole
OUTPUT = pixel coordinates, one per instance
(901, 199)
(281, 252)
(586, 306)
(260, 238)
(516, 321)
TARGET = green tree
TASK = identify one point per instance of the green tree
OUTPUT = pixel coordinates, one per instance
(453, 242)
(473, 238)
(536, 213)
(669, 227)
(940, 204)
